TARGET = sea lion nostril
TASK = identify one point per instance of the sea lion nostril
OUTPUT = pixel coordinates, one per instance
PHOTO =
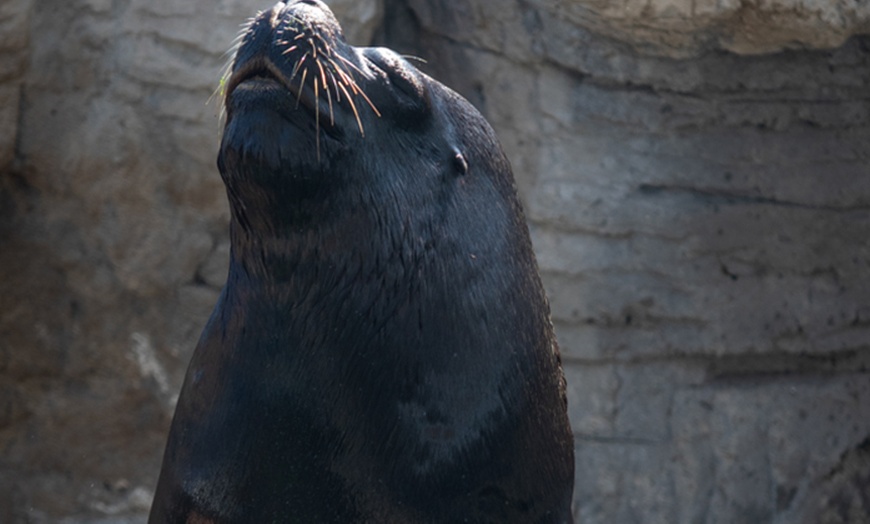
(276, 11)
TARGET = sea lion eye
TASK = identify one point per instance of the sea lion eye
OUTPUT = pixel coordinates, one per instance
(459, 163)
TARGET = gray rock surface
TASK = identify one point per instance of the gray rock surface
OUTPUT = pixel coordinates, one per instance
(696, 179)
(14, 35)
(699, 222)
(682, 28)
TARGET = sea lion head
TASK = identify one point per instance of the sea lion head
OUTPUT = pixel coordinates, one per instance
(309, 117)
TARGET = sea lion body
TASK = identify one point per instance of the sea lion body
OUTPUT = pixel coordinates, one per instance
(382, 350)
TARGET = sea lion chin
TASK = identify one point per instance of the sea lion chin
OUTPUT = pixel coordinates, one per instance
(382, 349)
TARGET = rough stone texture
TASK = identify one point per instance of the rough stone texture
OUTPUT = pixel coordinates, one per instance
(359, 19)
(686, 27)
(700, 218)
(14, 34)
(114, 244)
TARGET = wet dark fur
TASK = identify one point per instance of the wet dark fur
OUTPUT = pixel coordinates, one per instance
(382, 350)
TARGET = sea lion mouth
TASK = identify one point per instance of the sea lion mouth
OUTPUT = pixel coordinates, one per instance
(260, 78)
(261, 75)
(257, 70)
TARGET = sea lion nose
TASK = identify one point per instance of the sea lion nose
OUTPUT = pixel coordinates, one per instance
(275, 14)
(294, 3)
(280, 8)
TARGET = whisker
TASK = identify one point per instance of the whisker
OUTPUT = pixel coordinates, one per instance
(326, 88)
(301, 85)
(341, 72)
(316, 119)
(220, 91)
(238, 39)
(335, 86)
(355, 112)
(322, 72)
(296, 67)
(331, 113)
(375, 109)
(348, 80)
(351, 64)
(358, 91)
(287, 24)
(352, 83)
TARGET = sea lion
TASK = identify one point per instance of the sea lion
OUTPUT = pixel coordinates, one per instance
(382, 351)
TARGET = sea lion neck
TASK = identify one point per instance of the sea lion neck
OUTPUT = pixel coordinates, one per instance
(284, 256)
(273, 236)
(292, 230)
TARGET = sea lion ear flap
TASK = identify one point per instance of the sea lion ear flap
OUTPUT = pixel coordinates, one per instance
(406, 96)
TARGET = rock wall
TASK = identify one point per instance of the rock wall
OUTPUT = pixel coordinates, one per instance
(700, 219)
(695, 175)
(113, 231)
